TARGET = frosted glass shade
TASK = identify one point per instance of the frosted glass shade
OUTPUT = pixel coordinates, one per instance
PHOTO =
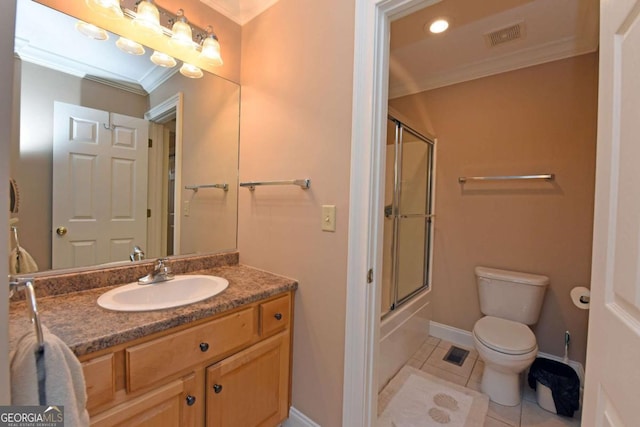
(210, 53)
(191, 71)
(130, 46)
(163, 60)
(148, 18)
(182, 36)
(106, 8)
(91, 31)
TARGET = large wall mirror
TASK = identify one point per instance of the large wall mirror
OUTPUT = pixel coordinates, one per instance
(108, 144)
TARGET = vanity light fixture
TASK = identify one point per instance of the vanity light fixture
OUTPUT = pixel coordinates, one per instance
(191, 71)
(148, 17)
(211, 49)
(438, 26)
(129, 46)
(186, 41)
(91, 31)
(163, 60)
(107, 8)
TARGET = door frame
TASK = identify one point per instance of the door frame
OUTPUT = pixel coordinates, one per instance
(366, 200)
(159, 114)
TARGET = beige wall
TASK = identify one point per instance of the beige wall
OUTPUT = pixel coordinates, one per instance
(296, 123)
(8, 132)
(535, 120)
(211, 122)
(31, 157)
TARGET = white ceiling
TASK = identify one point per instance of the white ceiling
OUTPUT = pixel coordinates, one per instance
(554, 29)
(240, 11)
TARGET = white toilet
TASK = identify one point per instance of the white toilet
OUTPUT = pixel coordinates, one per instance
(510, 301)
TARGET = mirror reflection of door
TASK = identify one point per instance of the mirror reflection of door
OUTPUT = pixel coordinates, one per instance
(100, 175)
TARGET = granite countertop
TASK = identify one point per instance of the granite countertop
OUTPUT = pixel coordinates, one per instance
(86, 327)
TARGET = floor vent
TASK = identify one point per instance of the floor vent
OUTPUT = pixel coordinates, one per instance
(507, 34)
(456, 355)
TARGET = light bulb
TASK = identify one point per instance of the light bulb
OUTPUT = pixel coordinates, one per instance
(191, 71)
(439, 26)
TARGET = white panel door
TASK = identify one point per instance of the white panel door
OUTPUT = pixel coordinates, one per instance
(613, 352)
(99, 186)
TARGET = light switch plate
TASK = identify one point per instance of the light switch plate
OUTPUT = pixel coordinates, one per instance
(328, 217)
(186, 208)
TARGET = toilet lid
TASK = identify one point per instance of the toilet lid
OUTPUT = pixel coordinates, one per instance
(505, 336)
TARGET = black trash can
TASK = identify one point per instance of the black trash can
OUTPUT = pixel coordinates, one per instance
(561, 379)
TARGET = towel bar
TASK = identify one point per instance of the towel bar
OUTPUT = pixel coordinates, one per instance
(195, 188)
(16, 284)
(302, 183)
(463, 179)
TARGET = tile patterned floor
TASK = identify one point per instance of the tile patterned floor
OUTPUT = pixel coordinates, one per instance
(528, 414)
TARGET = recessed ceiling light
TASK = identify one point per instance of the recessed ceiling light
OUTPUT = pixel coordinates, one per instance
(438, 26)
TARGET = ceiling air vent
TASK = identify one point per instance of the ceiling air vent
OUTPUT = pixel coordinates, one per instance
(504, 35)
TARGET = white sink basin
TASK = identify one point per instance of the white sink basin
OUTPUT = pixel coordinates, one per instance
(182, 290)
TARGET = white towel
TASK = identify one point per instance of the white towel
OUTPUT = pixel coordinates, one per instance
(64, 381)
(21, 262)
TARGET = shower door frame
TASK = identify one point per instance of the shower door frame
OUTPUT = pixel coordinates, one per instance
(400, 128)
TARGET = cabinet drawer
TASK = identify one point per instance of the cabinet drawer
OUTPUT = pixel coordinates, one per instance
(274, 315)
(154, 360)
(100, 379)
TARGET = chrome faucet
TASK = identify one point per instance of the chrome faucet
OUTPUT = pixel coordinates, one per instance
(160, 273)
(137, 255)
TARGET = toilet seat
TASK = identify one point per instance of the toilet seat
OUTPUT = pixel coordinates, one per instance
(505, 336)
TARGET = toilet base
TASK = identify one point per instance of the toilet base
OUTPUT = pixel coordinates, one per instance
(502, 388)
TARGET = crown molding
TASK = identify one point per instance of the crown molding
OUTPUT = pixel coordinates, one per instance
(154, 78)
(240, 11)
(552, 51)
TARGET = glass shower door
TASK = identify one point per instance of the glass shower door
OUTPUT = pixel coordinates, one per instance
(408, 215)
(414, 216)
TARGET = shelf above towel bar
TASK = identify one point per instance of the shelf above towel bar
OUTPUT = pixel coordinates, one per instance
(464, 179)
(195, 188)
(302, 183)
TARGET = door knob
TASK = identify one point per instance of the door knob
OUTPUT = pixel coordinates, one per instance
(61, 231)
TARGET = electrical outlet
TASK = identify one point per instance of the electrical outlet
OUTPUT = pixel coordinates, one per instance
(328, 217)
(186, 208)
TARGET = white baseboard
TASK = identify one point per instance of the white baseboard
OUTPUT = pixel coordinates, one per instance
(465, 339)
(298, 419)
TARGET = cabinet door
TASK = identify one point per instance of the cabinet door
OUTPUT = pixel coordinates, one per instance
(170, 405)
(250, 388)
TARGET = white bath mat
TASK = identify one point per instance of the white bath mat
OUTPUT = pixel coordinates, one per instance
(414, 398)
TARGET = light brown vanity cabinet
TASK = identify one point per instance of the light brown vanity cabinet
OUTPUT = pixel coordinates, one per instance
(171, 378)
(250, 388)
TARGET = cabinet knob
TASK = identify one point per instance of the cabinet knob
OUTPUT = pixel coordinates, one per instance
(191, 400)
(278, 316)
(217, 388)
(204, 346)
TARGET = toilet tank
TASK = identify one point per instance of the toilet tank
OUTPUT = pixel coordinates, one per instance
(510, 294)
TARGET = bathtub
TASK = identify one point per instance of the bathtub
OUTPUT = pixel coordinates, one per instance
(402, 332)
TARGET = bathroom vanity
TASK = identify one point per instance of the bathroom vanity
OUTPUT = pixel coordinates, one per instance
(225, 361)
